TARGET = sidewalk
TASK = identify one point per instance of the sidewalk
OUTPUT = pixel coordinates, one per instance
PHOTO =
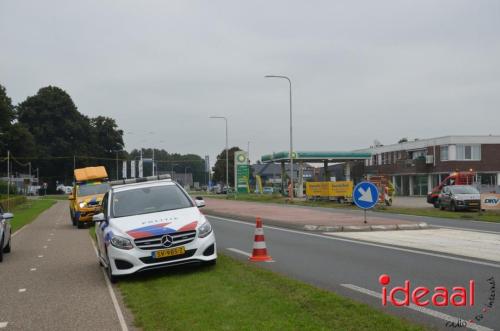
(303, 217)
(52, 281)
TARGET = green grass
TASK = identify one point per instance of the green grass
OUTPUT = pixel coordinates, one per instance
(238, 296)
(485, 216)
(54, 197)
(28, 211)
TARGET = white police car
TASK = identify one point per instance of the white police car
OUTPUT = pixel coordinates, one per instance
(151, 223)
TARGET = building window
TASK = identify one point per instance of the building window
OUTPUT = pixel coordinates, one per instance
(444, 153)
(469, 152)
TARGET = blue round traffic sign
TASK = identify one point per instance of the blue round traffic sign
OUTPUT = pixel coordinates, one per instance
(365, 195)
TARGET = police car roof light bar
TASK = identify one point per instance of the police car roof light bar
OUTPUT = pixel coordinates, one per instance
(138, 180)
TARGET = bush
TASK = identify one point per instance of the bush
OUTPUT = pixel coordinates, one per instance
(3, 188)
(13, 202)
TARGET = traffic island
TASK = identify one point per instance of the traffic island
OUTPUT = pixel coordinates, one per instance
(305, 218)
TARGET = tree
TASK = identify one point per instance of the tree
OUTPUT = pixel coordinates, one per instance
(14, 136)
(220, 166)
(59, 131)
(106, 135)
(6, 110)
(55, 123)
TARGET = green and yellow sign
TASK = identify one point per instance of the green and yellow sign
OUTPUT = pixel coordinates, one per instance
(241, 172)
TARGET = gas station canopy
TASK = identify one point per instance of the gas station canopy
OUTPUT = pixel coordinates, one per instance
(316, 156)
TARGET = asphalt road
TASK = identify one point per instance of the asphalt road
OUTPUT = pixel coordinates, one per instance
(52, 281)
(329, 262)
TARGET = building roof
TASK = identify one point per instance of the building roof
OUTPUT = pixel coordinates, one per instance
(439, 141)
(314, 156)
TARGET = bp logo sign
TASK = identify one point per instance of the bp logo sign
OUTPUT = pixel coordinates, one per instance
(241, 158)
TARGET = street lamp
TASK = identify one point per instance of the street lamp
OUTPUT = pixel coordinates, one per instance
(291, 135)
(227, 151)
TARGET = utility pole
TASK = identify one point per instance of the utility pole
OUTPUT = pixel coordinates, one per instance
(153, 158)
(74, 162)
(29, 185)
(291, 131)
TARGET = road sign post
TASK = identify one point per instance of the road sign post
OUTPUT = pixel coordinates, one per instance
(365, 196)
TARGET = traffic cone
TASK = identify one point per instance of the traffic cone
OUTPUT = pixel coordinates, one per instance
(259, 252)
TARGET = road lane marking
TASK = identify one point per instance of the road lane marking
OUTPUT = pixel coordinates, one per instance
(45, 246)
(423, 310)
(21, 290)
(364, 243)
(239, 252)
(118, 310)
(40, 256)
(3, 324)
(49, 239)
(33, 269)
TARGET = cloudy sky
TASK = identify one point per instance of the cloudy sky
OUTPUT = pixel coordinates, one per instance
(361, 70)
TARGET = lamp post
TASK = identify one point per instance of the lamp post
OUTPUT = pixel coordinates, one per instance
(227, 151)
(291, 132)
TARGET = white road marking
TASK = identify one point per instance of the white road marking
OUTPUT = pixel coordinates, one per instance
(423, 310)
(245, 253)
(239, 252)
(49, 239)
(3, 324)
(45, 246)
(364, 243)
(40, 256)
(118, 310)
(475, 245)
(33, 269)
(22, 290)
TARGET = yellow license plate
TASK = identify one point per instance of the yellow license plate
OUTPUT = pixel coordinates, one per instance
(169, 252)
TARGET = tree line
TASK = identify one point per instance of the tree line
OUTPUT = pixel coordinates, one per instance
(48, 131)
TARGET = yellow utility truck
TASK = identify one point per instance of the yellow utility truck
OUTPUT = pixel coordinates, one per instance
(340, 191)
(86, 197)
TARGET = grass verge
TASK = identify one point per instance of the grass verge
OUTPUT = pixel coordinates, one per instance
(54, 197)
(28, 211)
(238, 296)
(485, 216)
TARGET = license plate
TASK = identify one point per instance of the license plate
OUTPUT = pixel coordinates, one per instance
(169, 252)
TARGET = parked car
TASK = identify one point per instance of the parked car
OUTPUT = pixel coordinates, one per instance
(149, 225)
(460, 197)
(5, 232)
(268, 190)
(456, 178)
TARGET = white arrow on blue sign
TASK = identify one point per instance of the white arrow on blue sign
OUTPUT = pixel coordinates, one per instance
(365, 195)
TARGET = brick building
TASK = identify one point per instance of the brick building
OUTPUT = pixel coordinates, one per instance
(417, 166)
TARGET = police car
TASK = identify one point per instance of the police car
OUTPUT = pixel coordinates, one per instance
(151, 223)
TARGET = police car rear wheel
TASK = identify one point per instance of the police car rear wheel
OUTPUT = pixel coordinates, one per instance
(7, 248)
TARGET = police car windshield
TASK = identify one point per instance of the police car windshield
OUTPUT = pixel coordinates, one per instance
(149, 200)
(92, 189)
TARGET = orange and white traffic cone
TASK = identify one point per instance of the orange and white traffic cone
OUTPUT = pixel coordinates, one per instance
(259, 252)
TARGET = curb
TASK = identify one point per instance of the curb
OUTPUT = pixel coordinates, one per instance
(324, 228)
(360, 228)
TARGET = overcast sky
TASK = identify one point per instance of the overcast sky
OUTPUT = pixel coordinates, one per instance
(361, 70)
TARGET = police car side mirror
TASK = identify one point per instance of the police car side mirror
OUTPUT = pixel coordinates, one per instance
(99, 218)
(199, 202)
(7, 216)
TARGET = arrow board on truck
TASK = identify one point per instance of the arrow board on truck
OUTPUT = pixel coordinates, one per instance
(365, 195)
